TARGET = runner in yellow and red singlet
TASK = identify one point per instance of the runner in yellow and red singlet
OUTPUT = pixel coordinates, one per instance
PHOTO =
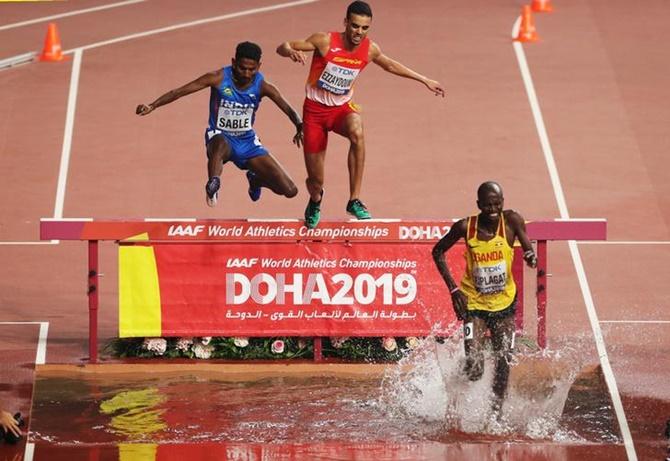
(486, 299)
(338, 58)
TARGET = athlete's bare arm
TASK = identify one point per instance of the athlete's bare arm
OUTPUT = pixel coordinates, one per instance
(272, 92)
(212, 79)
(518, 226)
(458, 299)
(396, 68)
(295, 50)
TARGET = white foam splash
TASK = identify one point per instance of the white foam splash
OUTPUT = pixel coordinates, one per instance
(429, 385)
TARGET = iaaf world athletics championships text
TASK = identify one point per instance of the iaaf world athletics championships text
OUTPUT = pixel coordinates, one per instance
(305, 263)
(371, 232)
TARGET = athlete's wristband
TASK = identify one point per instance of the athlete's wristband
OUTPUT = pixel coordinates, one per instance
(454, 290)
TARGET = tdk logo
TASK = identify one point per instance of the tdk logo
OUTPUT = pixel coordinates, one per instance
(422, 232)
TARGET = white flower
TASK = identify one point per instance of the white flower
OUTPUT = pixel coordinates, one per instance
(202, 351)
(389, 344)
(205, 340)
(338, 342)
(278, 346)
(156, 345)
(184, 344)
(412, 342)
(302, 343)
(241, 341)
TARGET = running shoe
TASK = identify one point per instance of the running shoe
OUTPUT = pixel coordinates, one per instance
(356, 208)
(254, 191)
(212, 190)
(313, 213)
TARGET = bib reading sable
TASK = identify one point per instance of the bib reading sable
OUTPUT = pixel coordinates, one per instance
(234, 118)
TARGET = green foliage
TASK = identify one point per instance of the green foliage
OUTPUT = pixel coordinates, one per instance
(229, 348)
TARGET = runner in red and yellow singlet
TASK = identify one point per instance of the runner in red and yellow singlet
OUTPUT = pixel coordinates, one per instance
(486, 299)
(338, 58)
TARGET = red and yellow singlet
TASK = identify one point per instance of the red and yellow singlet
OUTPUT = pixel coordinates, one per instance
(488, 281)
(331, 77)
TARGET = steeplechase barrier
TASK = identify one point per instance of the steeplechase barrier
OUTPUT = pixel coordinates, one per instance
(190, 277)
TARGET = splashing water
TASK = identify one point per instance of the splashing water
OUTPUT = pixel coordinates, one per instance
(429, 385)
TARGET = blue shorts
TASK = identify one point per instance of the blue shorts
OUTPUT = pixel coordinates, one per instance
(242, 148)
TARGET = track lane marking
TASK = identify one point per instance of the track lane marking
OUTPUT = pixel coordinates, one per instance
(574, 250)
(68, 14)
(198, 22)
(650, 322)
(40, 359)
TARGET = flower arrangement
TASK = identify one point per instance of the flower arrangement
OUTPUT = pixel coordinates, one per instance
(241, 348)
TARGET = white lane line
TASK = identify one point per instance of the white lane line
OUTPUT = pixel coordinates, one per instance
(30, 452)
(41, 354)
(50, 242)
(40, 359)
(67, 136)
(625, 242)
(650, 322)
(574, 250)
(65, 15)
(194, 23)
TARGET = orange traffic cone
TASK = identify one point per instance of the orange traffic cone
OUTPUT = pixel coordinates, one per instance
(527, 32)
(52, 49)
(542, 6)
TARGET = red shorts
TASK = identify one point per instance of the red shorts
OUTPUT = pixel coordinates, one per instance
(318, 119)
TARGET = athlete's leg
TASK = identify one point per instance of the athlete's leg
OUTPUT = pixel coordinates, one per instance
(474, 333)
(269, 173)
(314, 164)
(218, 153)
(353, 131)
(502, 335)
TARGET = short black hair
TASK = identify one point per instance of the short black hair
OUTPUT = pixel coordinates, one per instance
(359, 8)
(488, 186)
(248, 50)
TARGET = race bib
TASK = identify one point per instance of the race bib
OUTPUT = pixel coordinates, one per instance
(490, 279)
(468, 330)
(235, 119)
(337, 79)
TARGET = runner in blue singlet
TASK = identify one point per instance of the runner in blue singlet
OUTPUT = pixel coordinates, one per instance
(236, 92)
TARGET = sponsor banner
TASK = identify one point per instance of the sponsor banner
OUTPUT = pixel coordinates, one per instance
(283, 289)
(247, 231)
(293, 230)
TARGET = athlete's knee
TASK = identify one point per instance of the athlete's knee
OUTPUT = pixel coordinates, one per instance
(291, 191)
(356, 136)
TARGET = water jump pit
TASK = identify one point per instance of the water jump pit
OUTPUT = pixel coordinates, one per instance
(421, 408)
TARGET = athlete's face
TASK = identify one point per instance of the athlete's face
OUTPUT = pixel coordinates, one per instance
(244, 70)
(491, 204)
(356, 28)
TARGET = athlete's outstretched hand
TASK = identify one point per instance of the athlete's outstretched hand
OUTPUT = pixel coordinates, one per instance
(435, 87)
(299, 137)
(297, 56)
(144, 109)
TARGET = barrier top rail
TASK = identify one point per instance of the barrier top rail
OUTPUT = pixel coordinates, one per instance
(388, 230)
